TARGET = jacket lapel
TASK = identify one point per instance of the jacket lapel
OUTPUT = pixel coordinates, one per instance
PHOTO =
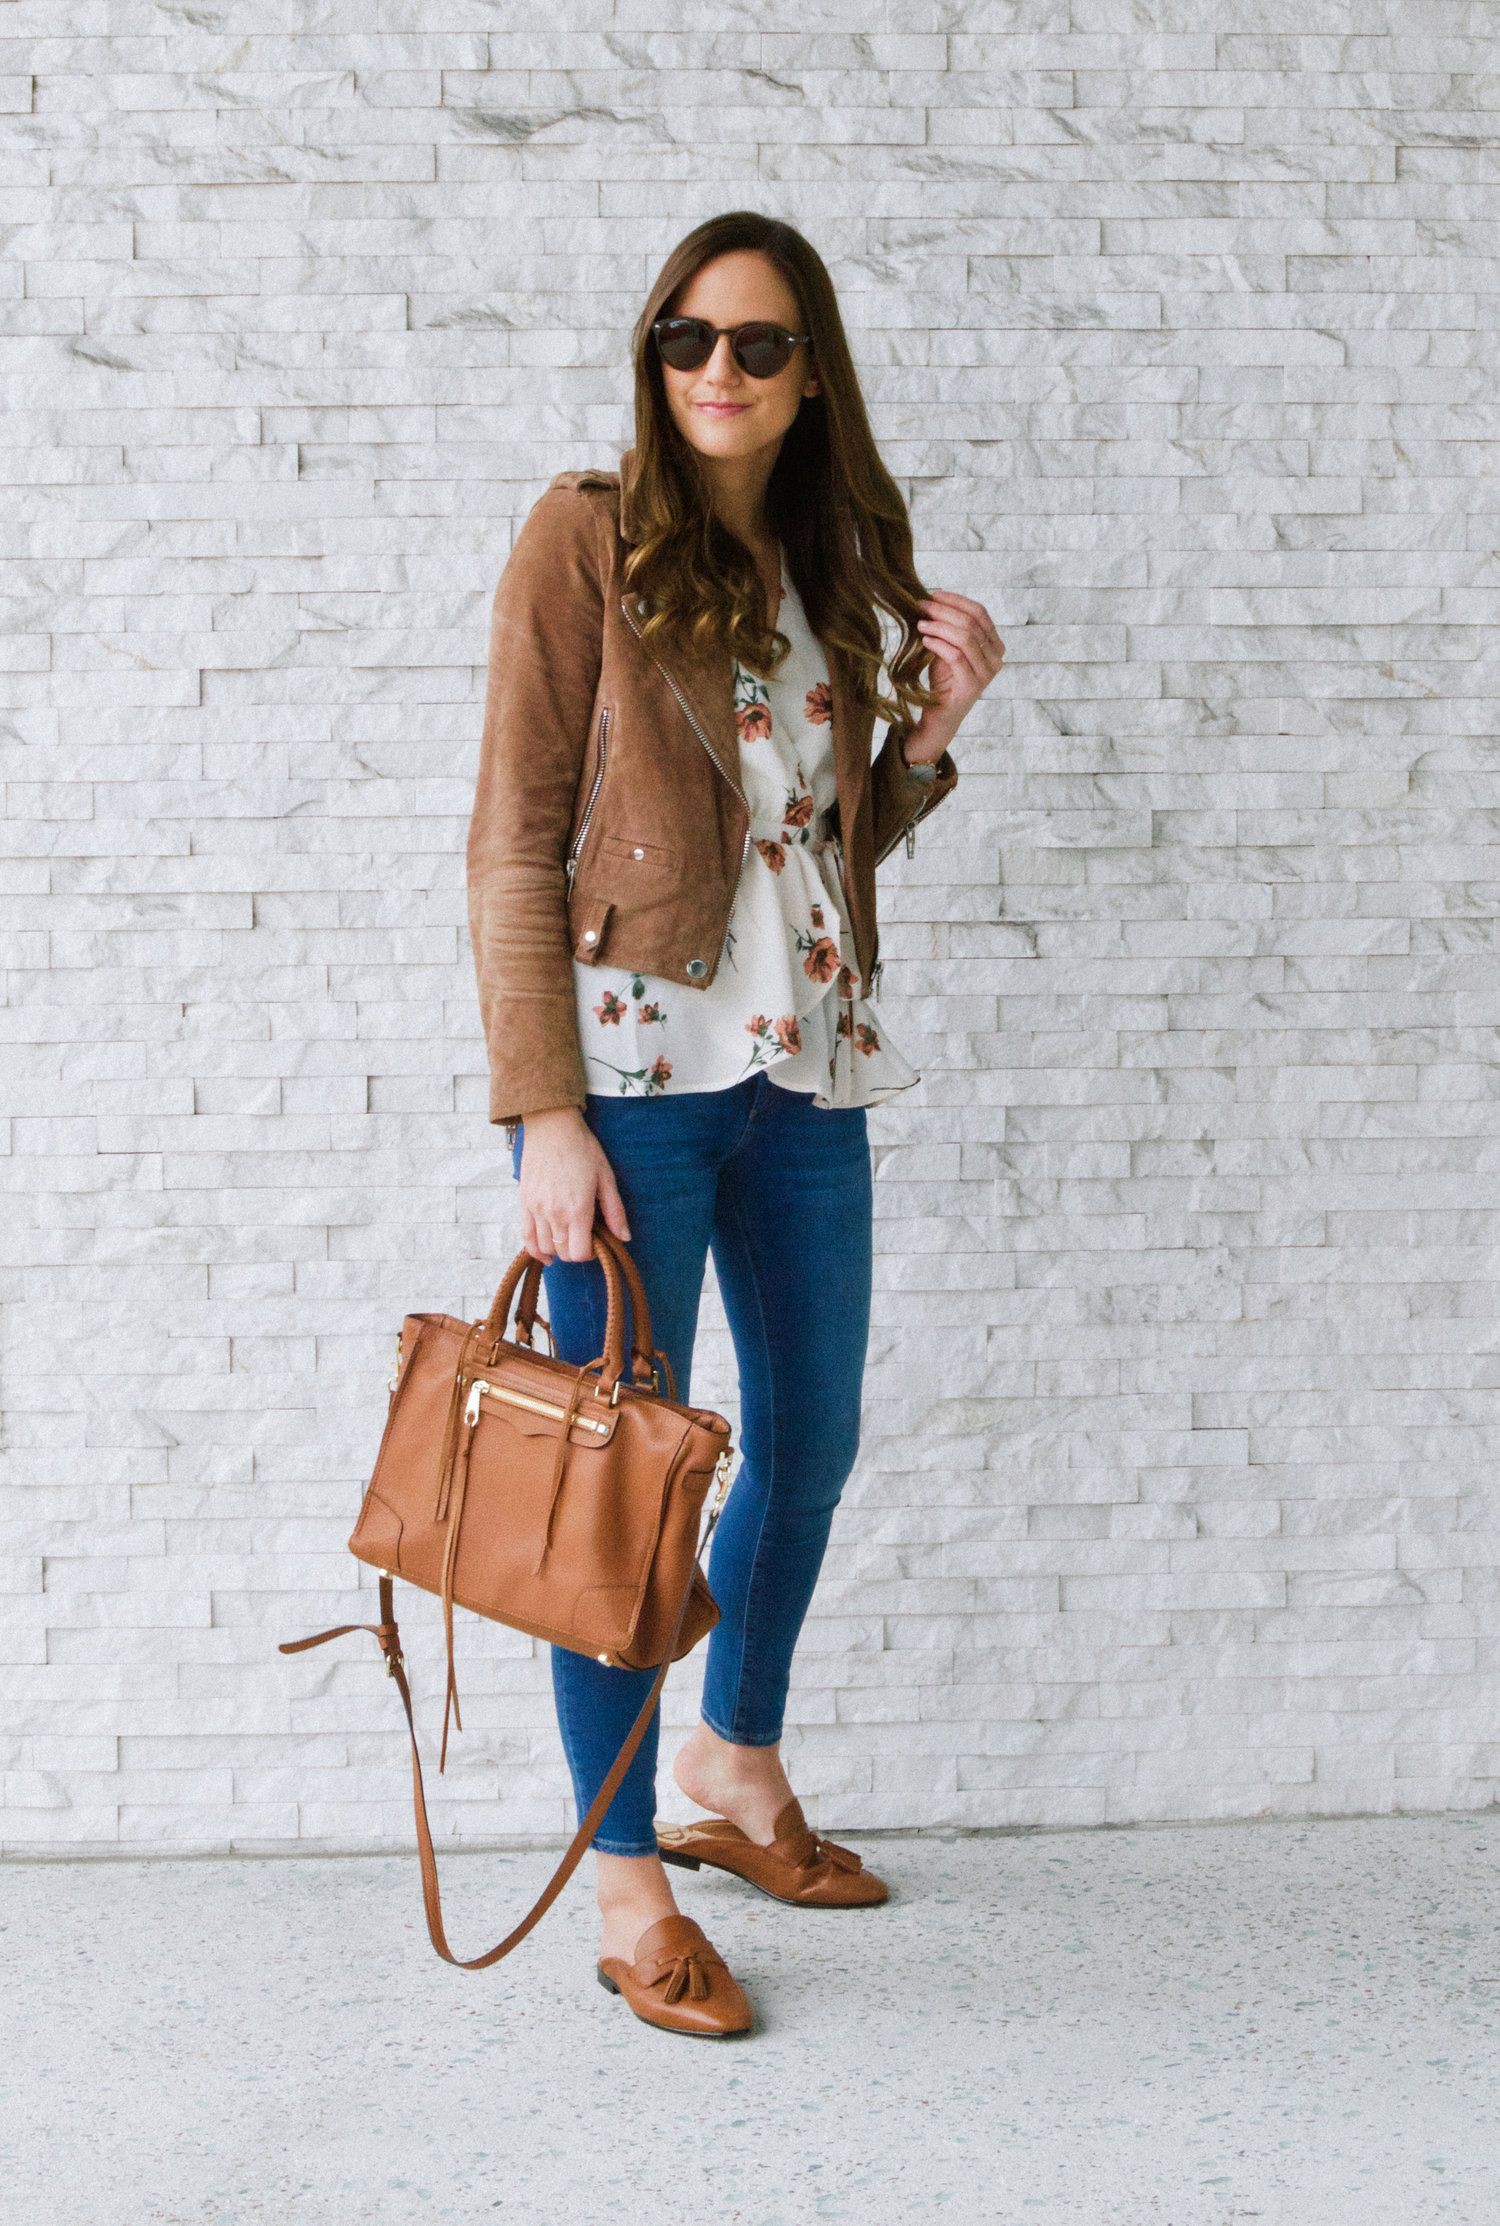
(704, 688)
(852, 728)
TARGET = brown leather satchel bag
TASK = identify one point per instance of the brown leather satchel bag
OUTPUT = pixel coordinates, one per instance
(562, 1501)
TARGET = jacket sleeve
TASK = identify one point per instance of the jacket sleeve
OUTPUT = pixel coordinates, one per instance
(899, 801)
(546, 626)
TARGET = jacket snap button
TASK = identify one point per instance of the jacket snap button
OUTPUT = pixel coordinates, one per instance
(697, 966)
(638, 852)
(590, 935)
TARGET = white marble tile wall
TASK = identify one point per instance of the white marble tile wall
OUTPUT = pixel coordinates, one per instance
(1176, 1498)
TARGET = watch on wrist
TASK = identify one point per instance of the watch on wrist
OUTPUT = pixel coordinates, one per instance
(926, 774)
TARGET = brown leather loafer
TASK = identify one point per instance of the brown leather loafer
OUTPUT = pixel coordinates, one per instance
(679, 1981)
(799, 1865)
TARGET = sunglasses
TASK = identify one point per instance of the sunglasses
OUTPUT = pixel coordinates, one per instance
(760, 350)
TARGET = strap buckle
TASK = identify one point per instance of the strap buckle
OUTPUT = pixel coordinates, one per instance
(390, 1646)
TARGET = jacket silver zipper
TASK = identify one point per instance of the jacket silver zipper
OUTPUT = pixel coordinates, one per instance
(687, 708)
(703, 738)
(909, 831)
(588, 809)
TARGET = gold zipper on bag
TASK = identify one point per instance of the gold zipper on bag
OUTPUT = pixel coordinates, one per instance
(523, 1399)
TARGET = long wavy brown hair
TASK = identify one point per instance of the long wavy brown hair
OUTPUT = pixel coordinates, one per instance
(831, 503)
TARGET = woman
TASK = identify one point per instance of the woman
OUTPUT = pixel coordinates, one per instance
(671, 901)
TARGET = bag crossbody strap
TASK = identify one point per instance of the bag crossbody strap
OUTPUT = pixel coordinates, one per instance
(389, 1635)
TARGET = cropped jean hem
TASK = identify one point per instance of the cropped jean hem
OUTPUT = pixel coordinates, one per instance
(741, 1738)
(614, 1847)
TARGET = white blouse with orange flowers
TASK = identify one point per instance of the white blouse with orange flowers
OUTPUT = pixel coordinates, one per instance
(786, 995)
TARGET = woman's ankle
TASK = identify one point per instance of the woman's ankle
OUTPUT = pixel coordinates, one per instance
(630, 1880)
(751, 1760)
(632, 1891)
(747, 1784)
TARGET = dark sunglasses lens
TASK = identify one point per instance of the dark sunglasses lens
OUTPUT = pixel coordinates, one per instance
(763, 350)
(684, 342)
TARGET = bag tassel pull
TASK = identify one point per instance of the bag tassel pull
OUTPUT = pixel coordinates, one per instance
(460, 1474)
(559, 1464)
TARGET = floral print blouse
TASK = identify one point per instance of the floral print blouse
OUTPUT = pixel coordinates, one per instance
(786, 996)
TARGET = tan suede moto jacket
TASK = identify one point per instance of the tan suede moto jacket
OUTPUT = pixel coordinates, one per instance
(609, 823)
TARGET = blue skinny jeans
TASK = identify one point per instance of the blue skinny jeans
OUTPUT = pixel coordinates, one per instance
(780, 1189)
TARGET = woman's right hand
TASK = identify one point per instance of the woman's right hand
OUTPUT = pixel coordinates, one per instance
(566, 1184)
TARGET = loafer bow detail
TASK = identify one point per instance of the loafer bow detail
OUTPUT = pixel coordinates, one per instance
(799, 1865)
(800, 1846)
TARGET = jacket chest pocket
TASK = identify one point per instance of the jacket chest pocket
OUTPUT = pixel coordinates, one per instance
(635, 863)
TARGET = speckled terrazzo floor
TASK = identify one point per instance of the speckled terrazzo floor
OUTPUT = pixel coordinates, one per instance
(1297, 2024)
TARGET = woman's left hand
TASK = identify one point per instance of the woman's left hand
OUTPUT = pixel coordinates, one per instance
(967, 653)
